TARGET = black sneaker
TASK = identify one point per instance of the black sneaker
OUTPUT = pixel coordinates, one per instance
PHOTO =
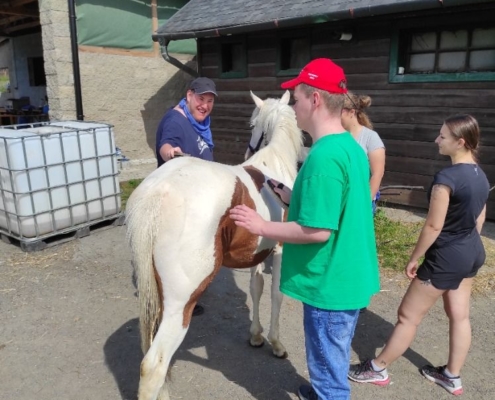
(437, 375)
(306, 392)
(364, 373)
(198, 310)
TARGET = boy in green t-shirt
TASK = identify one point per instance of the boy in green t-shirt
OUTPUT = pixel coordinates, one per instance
(329, 260)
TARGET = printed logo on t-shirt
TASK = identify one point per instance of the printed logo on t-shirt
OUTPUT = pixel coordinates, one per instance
(202, 146)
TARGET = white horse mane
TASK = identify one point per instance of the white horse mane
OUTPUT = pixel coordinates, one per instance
(277, 119)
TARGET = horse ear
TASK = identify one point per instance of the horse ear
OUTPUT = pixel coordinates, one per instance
(285, 98)
(256, 99)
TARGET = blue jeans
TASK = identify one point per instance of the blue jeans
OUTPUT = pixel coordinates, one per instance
(328, 337)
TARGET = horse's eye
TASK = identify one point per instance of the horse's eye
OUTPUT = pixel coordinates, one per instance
(251, 126)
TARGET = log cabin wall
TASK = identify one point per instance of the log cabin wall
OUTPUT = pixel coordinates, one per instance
(407, 116)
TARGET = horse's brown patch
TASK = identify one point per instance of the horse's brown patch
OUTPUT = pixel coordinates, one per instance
(188, 309)
(256, 175)
(238, 244)
(234, 246)
(160, 294)
(285, 215)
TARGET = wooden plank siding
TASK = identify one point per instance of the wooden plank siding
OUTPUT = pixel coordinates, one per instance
(407, 116)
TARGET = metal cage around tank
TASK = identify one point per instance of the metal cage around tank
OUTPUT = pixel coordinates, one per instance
(56, 177)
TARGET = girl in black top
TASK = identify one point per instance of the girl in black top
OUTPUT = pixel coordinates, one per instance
(451, 244)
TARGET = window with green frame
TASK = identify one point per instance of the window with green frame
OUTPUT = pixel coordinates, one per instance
(293, 53)
(233, 57)
(443, 54)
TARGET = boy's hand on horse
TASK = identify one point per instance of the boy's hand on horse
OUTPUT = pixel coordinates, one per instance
(247, 218)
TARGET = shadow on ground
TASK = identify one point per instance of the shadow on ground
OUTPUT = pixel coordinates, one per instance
(372, 332)
(223, 331)
(216, 340)
(123, 357)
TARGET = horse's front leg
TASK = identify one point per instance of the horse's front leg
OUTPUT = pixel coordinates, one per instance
(277, 297)
(256, 289)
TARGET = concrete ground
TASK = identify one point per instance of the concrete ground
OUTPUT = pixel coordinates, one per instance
(136, 169)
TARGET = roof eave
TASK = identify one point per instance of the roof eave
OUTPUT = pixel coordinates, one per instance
(237, 29)
(350, 13)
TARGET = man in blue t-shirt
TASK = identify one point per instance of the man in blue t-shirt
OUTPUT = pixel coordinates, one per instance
(185, 128)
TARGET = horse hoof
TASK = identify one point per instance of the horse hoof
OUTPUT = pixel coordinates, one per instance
(256, 345)
(283, 356)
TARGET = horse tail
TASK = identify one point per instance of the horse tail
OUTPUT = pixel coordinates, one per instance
(142, 219)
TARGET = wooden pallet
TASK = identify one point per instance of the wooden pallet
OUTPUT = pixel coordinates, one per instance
(30, 245)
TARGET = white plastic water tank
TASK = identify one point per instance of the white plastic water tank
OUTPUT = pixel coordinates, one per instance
(55, 176)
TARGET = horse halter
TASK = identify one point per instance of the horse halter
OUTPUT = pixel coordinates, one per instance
(255, 149)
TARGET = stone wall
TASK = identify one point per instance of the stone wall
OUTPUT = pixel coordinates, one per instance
(55, 34)
(130, 92)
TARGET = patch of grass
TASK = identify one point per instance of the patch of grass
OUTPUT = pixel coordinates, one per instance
(395, 241)
(484, 282)
(127, 188)
(489, 250)
(3, 83)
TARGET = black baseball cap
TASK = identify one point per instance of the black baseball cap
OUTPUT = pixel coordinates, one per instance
(203, 85)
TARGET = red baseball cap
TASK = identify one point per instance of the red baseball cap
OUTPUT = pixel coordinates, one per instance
(321, 73)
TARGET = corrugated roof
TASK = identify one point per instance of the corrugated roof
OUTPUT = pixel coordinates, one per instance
(202, 18)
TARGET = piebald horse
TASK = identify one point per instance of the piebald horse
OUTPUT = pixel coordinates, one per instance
(180, 233)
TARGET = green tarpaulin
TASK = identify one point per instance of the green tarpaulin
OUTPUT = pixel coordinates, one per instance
(126, 24)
